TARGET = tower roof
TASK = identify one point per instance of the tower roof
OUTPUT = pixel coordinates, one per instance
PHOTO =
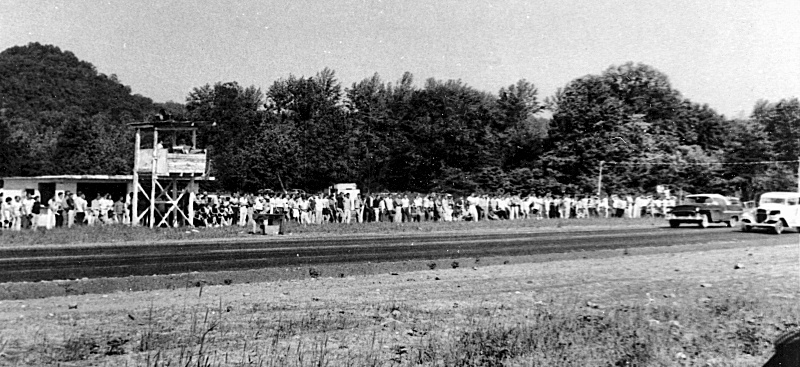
(167, 125)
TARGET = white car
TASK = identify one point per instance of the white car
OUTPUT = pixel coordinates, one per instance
(776, 211)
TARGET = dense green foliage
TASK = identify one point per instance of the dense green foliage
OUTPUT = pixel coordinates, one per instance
(631, 114)
(59, 115)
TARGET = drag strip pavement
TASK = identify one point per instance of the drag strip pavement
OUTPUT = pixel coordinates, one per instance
(75, 262)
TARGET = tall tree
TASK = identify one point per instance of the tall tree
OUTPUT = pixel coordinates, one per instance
(325, 137)
(234, 119)
(629, 114)
(93, 145)
(780, 122)
(747, 142)
(369, 104)
(521, 133)
(447, 124)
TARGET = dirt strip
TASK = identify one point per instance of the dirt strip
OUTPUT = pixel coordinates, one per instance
(28, 290)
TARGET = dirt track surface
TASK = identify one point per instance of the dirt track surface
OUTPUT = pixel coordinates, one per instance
(77, 262)
(682, 277)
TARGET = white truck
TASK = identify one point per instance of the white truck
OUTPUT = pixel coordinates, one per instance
(776, 211)
(345, 188)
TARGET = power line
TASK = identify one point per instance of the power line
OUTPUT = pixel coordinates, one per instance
(753, 163)
(696, 163)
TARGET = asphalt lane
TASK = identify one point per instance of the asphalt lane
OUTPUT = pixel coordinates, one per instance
(75, 262)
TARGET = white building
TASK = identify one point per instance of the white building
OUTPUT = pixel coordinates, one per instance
(48, 186)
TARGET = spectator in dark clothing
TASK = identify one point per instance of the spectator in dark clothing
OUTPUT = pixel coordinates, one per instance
(36, 211)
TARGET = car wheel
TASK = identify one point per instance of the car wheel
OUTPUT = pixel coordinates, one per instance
(778, 229)
(734, 222)
(674, 223)
(746, 228)
(704, 223)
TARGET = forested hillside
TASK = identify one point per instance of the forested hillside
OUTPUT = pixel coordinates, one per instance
(60, 116)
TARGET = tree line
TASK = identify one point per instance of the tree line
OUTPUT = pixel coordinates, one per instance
(58, 115)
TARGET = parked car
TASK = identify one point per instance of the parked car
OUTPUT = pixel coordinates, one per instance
(704, 209)
(776, 211)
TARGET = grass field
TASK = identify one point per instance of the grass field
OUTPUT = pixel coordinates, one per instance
(660, 309)
(123, 234)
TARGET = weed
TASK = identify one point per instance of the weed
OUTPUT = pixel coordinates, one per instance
(617, 335)
(79, 348)
(488, 346)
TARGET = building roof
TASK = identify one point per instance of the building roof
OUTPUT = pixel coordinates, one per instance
(74, 177)
(167, 125)
(94, 178)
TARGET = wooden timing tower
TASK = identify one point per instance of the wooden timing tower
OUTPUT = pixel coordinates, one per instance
(165, 179)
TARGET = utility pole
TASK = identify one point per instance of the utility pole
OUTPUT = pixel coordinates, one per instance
(798, 174)
(600, 179)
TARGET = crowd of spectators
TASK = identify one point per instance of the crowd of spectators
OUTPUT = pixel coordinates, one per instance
(68, 209)
(63, 210)
(415, 207)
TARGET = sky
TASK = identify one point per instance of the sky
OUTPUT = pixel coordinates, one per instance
(727, 54)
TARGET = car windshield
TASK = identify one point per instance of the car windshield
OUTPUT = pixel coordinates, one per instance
(698, 200)
(773, 201)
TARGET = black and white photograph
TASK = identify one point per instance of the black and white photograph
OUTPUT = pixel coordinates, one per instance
(383, 183)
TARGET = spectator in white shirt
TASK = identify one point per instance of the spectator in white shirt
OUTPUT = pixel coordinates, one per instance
(405, 204)
(94, 218)
(80, 208)
(16, 213)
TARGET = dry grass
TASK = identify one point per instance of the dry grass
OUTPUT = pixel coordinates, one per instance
(125, 234)
(722, 331)
(639, 310)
